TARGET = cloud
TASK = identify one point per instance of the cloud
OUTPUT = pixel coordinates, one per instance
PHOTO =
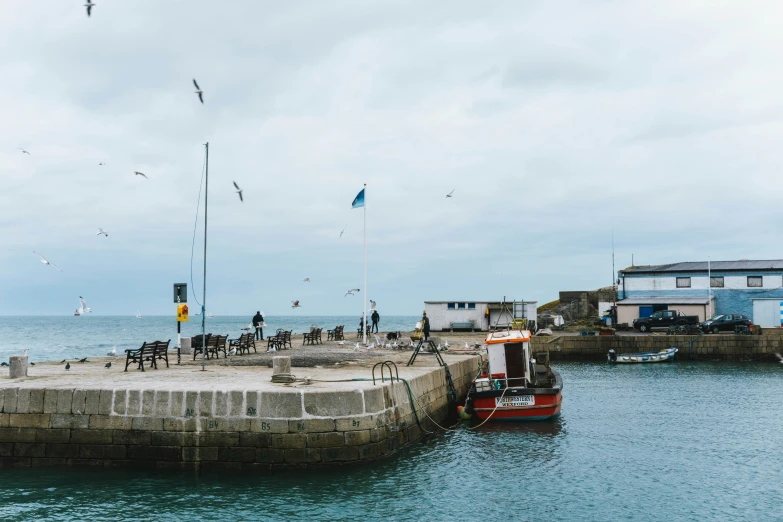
(553, 123)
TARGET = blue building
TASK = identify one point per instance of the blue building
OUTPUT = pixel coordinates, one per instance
(751, 288)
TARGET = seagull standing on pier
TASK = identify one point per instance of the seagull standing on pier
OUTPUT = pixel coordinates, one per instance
(238, 191)
(89, 5)
(67, 366)
(113, 352)
(200, 94)
(46, 261)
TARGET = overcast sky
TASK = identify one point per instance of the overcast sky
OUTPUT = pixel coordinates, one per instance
(554, 122)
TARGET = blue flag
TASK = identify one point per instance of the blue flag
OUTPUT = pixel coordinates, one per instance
(358, 201)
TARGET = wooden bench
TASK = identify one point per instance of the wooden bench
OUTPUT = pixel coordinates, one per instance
(147, 352)
(463, 326)
(336, 334)
(359, 331)
(196, 344)
(244, 343)
(162, 352)
(313, 337)
(215, 344)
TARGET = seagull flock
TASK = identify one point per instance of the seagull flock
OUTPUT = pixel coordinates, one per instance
(101, 232)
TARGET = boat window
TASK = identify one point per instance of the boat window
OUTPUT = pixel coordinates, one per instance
(683, 282)
(755, 281)
(461, 306)
(471, 306)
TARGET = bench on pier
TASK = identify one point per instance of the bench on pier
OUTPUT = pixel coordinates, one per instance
(150, 352)
(336, 334)
(243, 343)
(197, 344)
(463, 326)
(279, 340)
(359, 331)
(313, 337)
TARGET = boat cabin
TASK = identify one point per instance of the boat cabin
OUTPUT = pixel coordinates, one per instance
(511, 364)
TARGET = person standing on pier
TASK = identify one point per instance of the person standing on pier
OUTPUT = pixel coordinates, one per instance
(258, 322)
(425, 325)
(375, 318)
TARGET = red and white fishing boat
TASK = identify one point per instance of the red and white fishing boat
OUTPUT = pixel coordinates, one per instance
(514, 385)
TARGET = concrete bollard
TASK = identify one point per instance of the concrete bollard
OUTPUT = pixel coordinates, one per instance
(18, 366)
(187, 347)
(281, 369)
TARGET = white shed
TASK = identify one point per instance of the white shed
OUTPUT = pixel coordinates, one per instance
(478, 315)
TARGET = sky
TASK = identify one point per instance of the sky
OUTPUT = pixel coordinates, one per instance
(558, 125)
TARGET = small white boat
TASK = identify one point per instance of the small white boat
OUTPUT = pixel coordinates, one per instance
(641, 357)
(209, 315)
(138, 314)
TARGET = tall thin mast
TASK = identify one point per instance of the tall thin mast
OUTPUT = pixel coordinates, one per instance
(204, 294)
(364, 299)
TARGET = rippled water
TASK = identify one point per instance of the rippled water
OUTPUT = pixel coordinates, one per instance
(681, 441)
(55, 338)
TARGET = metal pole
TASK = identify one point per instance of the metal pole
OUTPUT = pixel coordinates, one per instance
(204, 295)
(364, 300)
(709, 289)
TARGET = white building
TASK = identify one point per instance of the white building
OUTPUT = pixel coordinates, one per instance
(477, 315)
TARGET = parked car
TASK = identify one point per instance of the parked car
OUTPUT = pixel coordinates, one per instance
(664, 319)
(725, 323)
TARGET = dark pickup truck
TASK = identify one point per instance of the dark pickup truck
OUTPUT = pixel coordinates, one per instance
(665, 319)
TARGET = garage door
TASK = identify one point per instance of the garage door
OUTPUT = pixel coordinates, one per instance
(767, 313)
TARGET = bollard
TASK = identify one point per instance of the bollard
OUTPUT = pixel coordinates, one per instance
(18, 366)
(281, 369)
(187, 346)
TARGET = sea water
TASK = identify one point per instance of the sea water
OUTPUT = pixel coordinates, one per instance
(671, 441)
(57, 338)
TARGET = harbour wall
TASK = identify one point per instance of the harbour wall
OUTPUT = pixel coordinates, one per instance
(724, 347)
(232, 430)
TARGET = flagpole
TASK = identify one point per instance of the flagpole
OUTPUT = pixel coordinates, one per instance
(364, 299)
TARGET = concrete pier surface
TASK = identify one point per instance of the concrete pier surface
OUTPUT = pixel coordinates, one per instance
(229, 417)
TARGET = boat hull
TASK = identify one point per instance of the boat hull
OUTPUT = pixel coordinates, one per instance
(643, 357)
(518, 404)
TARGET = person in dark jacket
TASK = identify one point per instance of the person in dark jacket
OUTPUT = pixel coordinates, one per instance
(258, 322)
(375, 318)
(425, 325)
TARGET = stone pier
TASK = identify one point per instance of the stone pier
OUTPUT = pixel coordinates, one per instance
(226, 418)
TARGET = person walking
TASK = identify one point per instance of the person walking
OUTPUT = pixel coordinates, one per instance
(425, 325)
(375, 318)
(258, 322)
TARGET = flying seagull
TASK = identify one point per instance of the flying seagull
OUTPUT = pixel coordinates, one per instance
(200, 93)
(238, 191)
(102, 232)
(84, 309)
(342, 231)
(140, 174)
(89, 5)
(46, 261)
(449, 194)
(107, 365)
(779, 357)
(295, 304)
(372, 304)
(24, 151)
(351, 292)
(306, 279)
(101, 163)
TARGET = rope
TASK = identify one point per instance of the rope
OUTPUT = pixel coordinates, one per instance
(195, 226)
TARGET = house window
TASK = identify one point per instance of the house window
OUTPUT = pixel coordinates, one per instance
(683, 282)
(471, 306)
(716, 281)
(755, 282)
(461, 306)
(452, 306)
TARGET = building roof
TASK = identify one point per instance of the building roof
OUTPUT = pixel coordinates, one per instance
(685, 300)
(482, 302)
(701, 266)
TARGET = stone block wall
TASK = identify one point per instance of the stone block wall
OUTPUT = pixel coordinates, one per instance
(727, 347)
(221, 430)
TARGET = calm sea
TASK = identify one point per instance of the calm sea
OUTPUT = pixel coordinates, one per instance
(680, 441)
(57, 338)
